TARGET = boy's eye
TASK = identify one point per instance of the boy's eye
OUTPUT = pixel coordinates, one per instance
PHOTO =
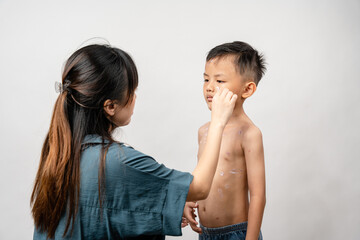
(206, 80)
(219, 81)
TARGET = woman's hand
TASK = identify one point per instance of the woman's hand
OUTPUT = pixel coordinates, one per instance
(223, 104)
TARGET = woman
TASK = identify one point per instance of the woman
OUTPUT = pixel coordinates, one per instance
(89, 186)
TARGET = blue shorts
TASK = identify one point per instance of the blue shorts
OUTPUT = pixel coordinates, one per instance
(231, 232)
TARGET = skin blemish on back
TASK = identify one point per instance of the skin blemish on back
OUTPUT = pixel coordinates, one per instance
(227, 153)
(239, 132)
(220, 192)
(221, 173)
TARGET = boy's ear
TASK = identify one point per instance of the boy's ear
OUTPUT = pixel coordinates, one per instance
(249, 89)
(109, 107)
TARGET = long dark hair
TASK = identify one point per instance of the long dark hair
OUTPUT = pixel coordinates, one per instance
(91, 75)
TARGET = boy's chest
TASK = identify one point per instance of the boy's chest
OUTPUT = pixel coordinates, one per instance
(231, 145)
(231, 156)
(231, 151)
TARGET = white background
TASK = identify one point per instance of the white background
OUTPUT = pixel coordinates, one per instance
(307, 104)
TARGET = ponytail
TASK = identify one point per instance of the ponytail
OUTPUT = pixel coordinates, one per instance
(54, 183)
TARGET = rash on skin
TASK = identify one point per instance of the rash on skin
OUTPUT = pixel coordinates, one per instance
(220, 192)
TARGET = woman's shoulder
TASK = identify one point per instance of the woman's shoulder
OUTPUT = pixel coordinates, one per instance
(126, 152)
(95, 142)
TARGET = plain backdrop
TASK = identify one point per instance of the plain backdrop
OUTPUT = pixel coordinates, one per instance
(307, 104)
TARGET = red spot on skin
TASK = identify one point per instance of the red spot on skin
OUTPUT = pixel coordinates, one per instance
(249, 150)
(217, 218)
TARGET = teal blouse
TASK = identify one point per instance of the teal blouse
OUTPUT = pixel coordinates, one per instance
(144, 199)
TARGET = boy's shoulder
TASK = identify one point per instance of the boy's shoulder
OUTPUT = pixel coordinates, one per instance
(248, 127)
(204, 127)
(251, 134)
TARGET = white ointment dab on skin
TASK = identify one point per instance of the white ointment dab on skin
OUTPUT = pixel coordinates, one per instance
(234, 171)
(203, 138)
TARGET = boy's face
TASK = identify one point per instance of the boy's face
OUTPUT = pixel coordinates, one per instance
(221, 72)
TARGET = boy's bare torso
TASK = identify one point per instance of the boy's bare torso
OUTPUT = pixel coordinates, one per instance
(228, 201)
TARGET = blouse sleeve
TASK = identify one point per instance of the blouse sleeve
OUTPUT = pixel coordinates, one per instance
(152, 196)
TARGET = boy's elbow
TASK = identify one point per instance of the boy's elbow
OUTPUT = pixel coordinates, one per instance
(263, 202)
(259, 199)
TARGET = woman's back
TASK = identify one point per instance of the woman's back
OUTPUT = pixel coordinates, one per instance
(130, 206)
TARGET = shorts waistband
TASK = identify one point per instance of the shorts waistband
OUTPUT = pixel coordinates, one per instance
(225, 229)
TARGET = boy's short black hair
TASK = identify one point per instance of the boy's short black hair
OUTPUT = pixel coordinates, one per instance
(247, 59)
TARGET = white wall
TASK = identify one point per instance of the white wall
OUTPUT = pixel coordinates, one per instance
(307, 105)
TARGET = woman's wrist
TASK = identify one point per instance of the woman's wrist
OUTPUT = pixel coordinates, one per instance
(216, 124)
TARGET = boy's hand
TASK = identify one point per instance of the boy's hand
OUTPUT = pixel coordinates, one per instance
(189, 213)
(184, 222)
(223, 104)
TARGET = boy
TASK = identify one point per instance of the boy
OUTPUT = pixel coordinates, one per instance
(227, 212)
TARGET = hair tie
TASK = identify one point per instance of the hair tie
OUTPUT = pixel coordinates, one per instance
(60, 88)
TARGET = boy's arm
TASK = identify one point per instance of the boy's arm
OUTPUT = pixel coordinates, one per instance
(254, 157)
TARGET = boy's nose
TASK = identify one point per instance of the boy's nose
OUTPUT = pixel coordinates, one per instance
(210, 87)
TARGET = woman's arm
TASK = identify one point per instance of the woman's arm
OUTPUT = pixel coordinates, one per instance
(222, 107)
